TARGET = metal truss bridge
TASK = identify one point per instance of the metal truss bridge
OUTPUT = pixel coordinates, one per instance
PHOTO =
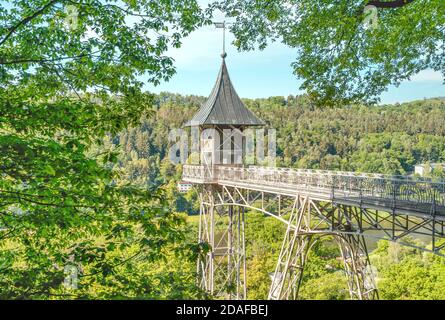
(346, 206)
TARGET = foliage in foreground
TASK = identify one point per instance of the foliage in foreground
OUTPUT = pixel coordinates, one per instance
(63, 87)
(340, 59)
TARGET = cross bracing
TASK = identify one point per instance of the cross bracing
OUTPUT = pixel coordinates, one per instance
(312, 204)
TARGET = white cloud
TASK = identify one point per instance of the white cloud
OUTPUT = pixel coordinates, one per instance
(427, 75)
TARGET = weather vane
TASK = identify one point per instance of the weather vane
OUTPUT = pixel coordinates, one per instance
(222, 25)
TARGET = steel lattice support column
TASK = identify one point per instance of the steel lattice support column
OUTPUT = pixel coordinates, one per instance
(236, 257)
(360, 274)
(205, 265)
(288, 273)
(303, 231)
(222, 272)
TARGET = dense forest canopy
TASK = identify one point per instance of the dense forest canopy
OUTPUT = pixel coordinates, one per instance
(340, 59)
(387, 139)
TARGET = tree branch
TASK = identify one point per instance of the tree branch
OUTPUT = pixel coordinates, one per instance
(3, 61)
(26, 20)
(389, 4)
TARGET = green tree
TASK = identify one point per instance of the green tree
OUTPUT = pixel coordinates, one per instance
(69, 76)
(407, 273)
(331, 286)
(340, 59)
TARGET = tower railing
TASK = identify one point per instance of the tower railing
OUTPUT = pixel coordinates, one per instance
(418, 194)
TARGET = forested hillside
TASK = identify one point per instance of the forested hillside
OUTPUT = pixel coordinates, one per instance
(388, 139)
(384, 139)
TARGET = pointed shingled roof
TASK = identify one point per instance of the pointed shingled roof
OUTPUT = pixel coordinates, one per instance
(223, 106)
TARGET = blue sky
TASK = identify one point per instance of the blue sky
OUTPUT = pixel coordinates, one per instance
(260, 74)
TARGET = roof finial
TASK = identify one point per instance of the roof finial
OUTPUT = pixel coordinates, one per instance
(223, 26)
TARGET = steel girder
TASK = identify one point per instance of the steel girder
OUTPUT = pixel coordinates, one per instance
(223, 271)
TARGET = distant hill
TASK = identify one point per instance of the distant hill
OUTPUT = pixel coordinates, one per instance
(386, 138)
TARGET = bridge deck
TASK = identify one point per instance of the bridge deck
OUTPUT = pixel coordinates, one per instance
(398, 194)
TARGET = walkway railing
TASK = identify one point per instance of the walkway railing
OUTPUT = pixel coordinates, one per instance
(416, 192)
